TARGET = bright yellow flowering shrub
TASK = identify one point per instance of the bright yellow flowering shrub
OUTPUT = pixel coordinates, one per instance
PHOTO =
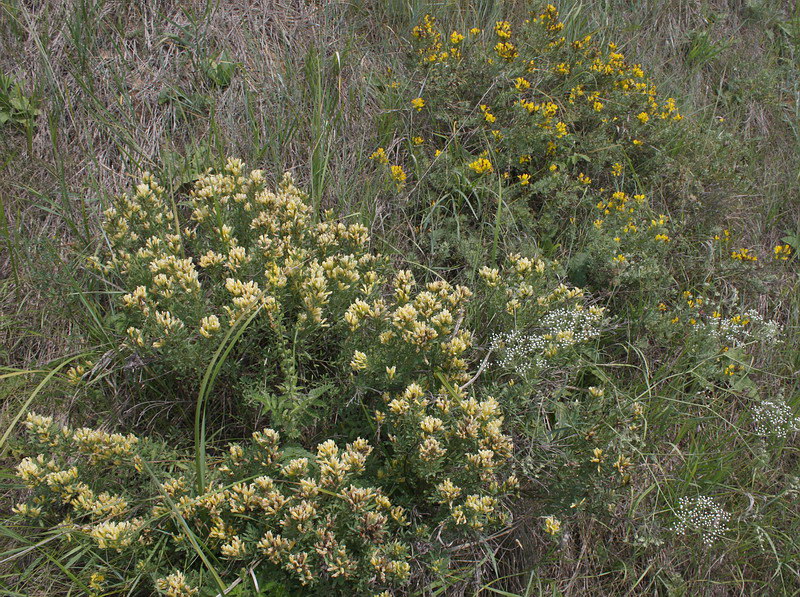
(527, 129)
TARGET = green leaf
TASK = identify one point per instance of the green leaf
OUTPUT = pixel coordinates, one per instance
(793, 240)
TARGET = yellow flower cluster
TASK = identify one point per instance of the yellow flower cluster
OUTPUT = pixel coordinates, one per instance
(379, 155)
(503, 29)
(398, 176)
(710, 322)
(255, 248)
(743, 255)
(522, 84)
(175, 585)
(506, 50)
(396, 173)
(628, 79)
(732, 369)
(487, 114)
(548, 19)
(481, 166)
(316, 519)
(76, 373)
(629, 232)
(430, 47)
(115, 535)
(552, 526)
(724, 237)
(782, 252)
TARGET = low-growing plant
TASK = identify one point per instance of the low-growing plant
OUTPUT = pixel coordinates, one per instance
(302, 521)
(388, 356)
(194, 271)
(16, 107)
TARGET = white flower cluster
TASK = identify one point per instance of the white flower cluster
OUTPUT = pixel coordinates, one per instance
(560, 328)
(774, 418)
(519, 351)
(572, 326)
(701, 514)
(748, 327)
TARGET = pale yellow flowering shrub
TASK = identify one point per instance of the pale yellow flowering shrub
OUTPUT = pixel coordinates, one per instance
(243, 247)
(440, 436)
(396, 358)
(308, 520)
(320, 301)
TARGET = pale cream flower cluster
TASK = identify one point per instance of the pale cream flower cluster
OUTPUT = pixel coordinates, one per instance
(245, 247)
(316, 518)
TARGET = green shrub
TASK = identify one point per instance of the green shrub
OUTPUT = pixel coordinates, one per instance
(519, 130)
(349, 338)
(303, 521)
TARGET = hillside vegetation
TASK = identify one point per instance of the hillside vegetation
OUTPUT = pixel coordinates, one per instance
(399, 298)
